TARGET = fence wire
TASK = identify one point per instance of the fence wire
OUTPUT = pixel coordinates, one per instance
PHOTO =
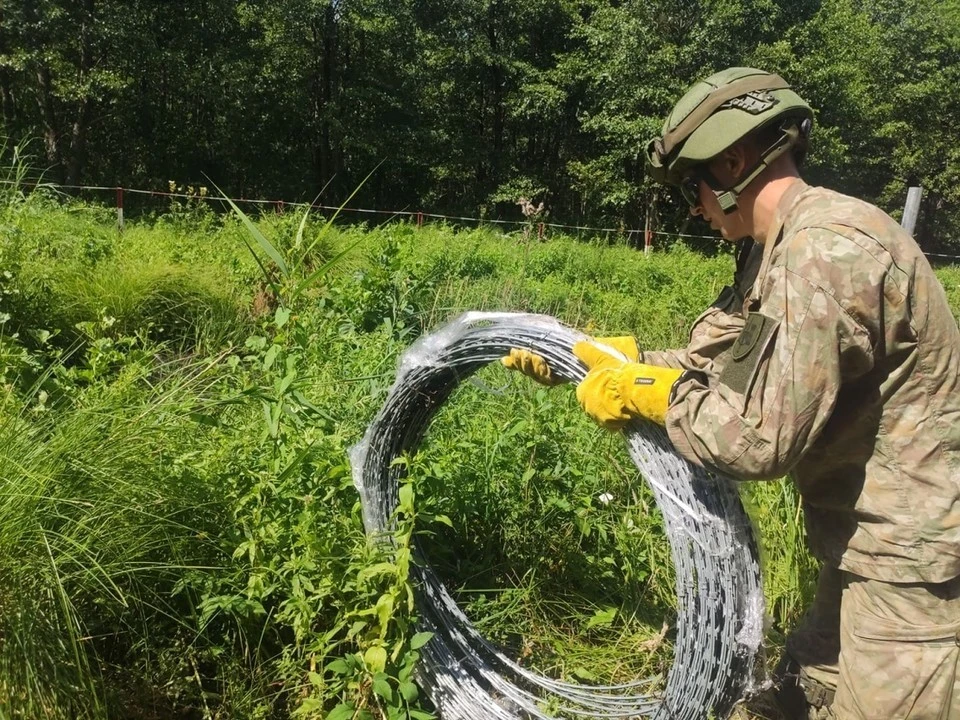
(416, 215)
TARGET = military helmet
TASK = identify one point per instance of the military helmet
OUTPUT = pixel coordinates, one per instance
(721, 110)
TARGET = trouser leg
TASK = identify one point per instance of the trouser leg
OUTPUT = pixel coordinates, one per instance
(868, 649)
(806, 679)
(900, 651)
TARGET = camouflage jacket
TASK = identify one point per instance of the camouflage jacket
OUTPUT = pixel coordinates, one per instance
(845, 374)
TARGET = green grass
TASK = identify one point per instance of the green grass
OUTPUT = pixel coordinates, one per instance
(179, 531)
(96, 531)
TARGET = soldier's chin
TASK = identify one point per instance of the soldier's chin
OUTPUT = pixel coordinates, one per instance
(731, 235)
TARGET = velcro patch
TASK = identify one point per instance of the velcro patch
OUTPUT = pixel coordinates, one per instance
(746, 352)
(754, 102)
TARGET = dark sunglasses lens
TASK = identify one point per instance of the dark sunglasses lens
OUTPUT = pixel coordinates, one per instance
(690, 189)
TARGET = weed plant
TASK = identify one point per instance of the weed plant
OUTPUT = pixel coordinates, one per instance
(179, 530)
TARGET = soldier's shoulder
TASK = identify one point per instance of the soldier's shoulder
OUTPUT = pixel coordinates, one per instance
(820, 206)
(826, 226)
(835, 242)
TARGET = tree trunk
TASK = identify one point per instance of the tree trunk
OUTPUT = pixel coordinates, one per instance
(496, 79)
(78, 144)
(7, 98)
(81, 121)
(51, 137)
(325, 66)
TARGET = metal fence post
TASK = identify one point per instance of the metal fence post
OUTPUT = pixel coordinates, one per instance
(911, 209)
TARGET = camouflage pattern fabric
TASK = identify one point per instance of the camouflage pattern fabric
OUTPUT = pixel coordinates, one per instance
(887, 650)
(844, 374)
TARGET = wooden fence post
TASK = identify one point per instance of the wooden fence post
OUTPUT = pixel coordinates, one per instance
(120, 209)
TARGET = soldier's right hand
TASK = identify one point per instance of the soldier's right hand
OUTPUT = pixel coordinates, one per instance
(531, 365)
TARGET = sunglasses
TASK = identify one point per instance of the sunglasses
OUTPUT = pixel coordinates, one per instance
(690, 189)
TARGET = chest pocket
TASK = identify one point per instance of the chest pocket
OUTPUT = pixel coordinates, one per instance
(747, 350)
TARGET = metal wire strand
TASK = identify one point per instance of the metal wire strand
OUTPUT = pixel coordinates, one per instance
(719, 596)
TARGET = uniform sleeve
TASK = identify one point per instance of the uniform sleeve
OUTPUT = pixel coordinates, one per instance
(712, 333)
(768, 404)
(666, 358)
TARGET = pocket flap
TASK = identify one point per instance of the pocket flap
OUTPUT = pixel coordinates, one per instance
(880, 629)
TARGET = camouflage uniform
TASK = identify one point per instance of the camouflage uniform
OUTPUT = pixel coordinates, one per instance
(843, 371)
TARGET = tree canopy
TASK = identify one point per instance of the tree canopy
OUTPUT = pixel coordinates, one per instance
(467, 105)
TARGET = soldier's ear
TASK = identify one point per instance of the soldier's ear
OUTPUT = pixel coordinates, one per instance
(735, 160)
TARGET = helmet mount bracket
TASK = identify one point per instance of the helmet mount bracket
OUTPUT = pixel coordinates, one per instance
(791, 132)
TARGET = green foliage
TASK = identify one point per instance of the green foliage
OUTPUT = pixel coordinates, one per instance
(102, 515)
(467, 106)
(179, 527)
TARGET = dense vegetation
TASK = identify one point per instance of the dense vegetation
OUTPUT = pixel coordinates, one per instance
(179, 531)
(471, 104)
(180, 535)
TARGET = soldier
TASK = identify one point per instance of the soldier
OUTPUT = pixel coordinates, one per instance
(834, 359)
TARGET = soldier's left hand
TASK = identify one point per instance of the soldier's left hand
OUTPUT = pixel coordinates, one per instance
(616, 390)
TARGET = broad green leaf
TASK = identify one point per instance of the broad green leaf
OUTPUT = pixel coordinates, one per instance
(381, 686)
(375, 658)
(270, 356)
(517, 427)
(409, 691)
(371, 571)
(584, 674)
(343, 711)
(420, 639)
(339, 667)
(384, 612)
(602, 618)
(405, 496)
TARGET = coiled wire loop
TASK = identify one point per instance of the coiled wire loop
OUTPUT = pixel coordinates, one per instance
(719, 596)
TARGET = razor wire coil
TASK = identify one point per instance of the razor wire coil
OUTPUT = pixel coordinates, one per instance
(719, 594)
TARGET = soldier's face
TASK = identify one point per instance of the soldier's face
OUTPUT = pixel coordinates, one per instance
(731, 226)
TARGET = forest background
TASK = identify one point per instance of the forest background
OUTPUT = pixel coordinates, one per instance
(180, 535)
(470, 105)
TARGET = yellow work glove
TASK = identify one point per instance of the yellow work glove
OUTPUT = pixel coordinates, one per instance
(536, 368)
(531, 365)
(627, 344)
(615, 391)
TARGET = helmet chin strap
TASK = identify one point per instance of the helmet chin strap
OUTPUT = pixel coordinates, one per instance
(728, 198)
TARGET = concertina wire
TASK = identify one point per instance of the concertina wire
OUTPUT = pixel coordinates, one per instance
(719, 596)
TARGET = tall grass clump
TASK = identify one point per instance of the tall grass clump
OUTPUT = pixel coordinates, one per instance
(19, 181)
(95, 533)
(165, 302)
